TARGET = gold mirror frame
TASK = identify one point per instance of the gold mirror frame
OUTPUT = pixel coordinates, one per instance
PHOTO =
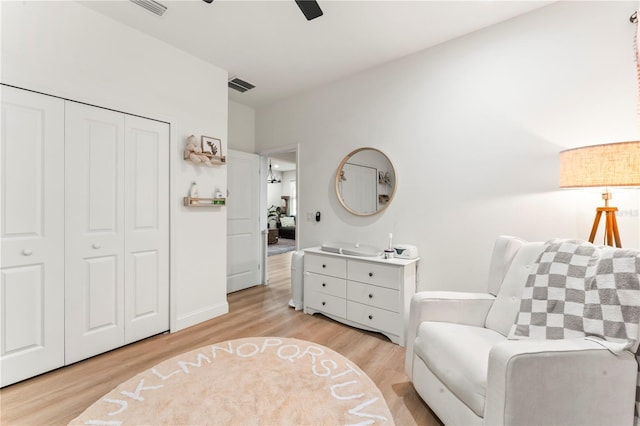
(339, 174)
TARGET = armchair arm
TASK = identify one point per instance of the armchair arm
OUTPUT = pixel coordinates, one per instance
(568, 382)
(444, 306)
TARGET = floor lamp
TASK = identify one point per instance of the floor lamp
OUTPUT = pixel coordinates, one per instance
(608, 165)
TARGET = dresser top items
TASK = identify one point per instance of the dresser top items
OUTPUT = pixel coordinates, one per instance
(376, 259)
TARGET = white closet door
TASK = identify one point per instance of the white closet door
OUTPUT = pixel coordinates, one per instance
(32, 235)
(94, 290)
(146, 228)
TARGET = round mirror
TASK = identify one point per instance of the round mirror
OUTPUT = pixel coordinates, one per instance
(365, 181)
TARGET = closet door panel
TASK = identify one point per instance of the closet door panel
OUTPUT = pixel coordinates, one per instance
(94, 290)
(23, 286)
(101, 292)
(31, 235)
(146, 228)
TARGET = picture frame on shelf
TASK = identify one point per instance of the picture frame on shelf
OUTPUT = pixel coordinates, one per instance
(211, 147)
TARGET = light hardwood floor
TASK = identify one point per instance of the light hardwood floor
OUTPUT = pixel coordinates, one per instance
(57, 397)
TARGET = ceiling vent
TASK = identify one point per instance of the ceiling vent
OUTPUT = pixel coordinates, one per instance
(151, 6)
(240, 85)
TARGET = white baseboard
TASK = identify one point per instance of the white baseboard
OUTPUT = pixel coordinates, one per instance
(193, 318)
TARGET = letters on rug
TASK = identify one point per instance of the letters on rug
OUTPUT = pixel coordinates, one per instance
(251, 381)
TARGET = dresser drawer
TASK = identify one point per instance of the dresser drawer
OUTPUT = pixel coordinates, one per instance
(379, 297)
(377, 318)
(325, 303)
(325, 284)
(326, 265)
(374, 273)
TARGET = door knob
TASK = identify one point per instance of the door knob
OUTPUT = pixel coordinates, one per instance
(27, 252)
(96, 246)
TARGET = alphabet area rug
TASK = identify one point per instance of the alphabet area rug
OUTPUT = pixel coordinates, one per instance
(251, 381)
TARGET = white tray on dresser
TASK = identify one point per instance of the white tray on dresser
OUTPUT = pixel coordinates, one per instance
(370, 293)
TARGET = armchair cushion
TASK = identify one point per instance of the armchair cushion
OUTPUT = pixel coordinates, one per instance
(505, 309)
(504, 249)
(458, 355)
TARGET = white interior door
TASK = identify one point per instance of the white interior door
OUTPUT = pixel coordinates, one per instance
(94, 264)
(146, 228)
(243, 221)
(32, 235)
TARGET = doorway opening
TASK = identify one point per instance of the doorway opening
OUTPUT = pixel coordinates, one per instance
(281, 206)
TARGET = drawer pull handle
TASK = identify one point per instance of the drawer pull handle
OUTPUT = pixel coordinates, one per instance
(370, 274)
(370, 317)
(324, 266)
(324, 303)
(370, 296)
(96, 246)
(324, 284)
(27, 252)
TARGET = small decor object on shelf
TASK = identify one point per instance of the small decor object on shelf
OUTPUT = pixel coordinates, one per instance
(211, 146)
(203, 153)
(193, 191)
(383, 198)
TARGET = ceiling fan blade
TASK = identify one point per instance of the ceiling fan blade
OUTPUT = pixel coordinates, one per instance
(309, 8)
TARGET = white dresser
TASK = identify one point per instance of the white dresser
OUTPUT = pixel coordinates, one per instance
(371, 293)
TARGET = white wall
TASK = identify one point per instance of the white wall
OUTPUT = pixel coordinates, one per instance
(474, 127)
(275, 191)
(287, 178)
(242, 127)
(67, 50)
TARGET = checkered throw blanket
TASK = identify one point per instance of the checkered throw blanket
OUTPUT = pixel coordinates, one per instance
(577, 289)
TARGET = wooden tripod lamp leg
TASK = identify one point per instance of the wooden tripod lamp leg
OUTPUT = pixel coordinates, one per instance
(596, 222)
(611, 226)
(614, 228)
(608, 230)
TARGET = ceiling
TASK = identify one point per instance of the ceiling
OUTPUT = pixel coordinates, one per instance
(270, 44)
(283, 161)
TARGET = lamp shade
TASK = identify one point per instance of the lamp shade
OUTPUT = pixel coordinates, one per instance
(614, 164)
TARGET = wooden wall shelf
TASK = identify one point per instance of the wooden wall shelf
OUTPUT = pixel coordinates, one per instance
(204, 202)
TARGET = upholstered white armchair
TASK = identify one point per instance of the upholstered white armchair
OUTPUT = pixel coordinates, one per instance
(461, 363)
